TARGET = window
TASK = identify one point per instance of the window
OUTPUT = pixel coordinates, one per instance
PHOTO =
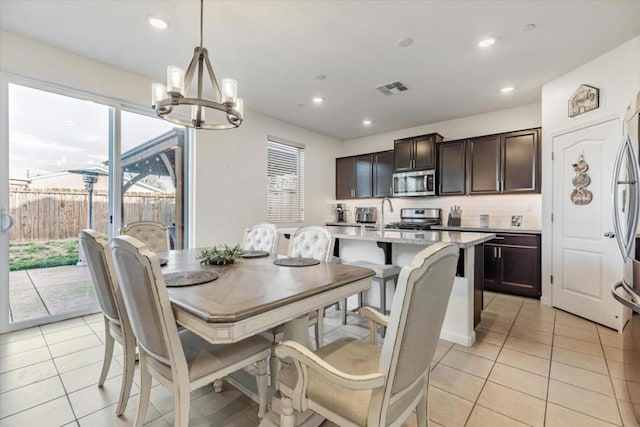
(285, 181)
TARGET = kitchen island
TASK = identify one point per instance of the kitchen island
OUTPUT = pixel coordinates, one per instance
(399, 247)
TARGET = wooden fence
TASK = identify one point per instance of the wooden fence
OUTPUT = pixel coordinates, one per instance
(52, 214)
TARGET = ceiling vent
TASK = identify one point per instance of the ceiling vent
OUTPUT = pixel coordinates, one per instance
(392, 88)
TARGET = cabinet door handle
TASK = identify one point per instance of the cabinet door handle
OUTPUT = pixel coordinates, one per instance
(495, 252)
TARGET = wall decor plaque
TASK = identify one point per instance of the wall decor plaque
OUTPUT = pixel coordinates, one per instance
(580, 195)
(586, 98)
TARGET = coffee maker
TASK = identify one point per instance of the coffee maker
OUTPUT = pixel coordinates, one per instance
(341, 212)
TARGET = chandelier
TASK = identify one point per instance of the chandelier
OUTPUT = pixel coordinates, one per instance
(176, 93)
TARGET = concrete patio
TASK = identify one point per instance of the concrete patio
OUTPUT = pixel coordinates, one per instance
(46, 292)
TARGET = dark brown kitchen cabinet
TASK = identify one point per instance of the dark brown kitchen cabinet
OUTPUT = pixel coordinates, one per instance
(484, 165)
(364, 176)
(512, 265)
(345, 177)
(415, 153)
(382, 171)
(504, 163)
(452, 168)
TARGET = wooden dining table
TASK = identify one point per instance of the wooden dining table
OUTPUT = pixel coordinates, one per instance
(253, 295)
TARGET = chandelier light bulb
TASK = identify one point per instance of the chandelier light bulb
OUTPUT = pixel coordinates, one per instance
(229, 91)
(175, 81)
(158, 93)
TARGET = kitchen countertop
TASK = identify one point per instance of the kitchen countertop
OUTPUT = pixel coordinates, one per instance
(449, 228)
(487, 229)
(352, 224)
(462, 239)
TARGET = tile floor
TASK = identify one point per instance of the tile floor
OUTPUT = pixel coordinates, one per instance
(532, 365)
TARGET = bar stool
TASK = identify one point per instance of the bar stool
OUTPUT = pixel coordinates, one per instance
(383, 274)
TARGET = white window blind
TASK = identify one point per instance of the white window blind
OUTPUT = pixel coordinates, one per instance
(285, 182)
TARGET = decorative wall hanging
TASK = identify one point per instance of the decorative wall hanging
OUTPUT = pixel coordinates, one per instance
(580, 195)
(586, 98)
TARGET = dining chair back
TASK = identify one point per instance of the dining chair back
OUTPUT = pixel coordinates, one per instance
(261, 237)
(181, 361)
(153, 234)
(312, 242)
(117, 327)
(353, 383)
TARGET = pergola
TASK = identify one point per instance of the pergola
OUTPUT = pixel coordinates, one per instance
(161, 156)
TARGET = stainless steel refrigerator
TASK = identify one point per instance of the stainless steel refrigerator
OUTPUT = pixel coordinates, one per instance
(626, 210)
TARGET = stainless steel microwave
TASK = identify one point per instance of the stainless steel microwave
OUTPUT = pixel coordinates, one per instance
(418, 183)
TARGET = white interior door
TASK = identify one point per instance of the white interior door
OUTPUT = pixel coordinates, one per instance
(586, 259)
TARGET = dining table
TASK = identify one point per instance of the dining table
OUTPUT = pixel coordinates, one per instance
(253, 295)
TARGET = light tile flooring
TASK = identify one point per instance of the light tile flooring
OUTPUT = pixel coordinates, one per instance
(532, 365)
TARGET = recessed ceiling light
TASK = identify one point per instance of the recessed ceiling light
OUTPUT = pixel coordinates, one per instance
(507, 89)
(318, 100)
(321, 77)
(529, 27)
(487, 42)
(405, 42)
(158, 23)
(366, 122)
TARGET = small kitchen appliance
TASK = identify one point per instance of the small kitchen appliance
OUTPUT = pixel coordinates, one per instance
(366, 215)
(415, 183)
(417, 219)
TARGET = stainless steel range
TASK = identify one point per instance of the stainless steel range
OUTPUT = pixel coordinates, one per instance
(417, 219)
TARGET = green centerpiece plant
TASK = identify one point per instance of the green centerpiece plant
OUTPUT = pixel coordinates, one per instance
(220, 255)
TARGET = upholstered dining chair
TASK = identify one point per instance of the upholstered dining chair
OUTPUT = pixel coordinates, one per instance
(261, 237)
(116, 322)
(353, 383)
(153, 234)
(181, 361)
(313, 242)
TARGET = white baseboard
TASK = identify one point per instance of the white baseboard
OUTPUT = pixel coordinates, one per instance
(453, 337)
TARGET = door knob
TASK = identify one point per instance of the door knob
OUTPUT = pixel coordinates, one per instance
(609, 234)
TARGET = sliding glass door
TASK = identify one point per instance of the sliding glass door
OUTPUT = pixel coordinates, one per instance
(61, 172)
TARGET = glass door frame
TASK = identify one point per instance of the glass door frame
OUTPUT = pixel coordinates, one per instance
(115, 180)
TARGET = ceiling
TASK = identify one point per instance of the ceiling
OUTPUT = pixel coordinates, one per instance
(276, 50)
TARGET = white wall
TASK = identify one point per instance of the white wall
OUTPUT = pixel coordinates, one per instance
(230, 167)
(231, 177)
(500, 121)
(617, 75)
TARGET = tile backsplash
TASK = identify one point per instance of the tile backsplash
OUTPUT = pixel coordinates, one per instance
(500, 208)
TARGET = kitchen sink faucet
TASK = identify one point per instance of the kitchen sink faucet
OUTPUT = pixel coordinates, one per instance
(382, 212)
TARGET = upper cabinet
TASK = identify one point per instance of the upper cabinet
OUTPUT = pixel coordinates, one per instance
(504, 163)
(367, 175)
(382, 171)
(452, 168)
(415, 153)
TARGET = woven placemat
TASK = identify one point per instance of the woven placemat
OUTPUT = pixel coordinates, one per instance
(254, 254)
(189, 278)
(163, 261)
(296, 262)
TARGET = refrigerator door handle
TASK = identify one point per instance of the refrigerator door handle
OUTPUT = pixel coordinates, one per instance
(622, 300)
(625, 236)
